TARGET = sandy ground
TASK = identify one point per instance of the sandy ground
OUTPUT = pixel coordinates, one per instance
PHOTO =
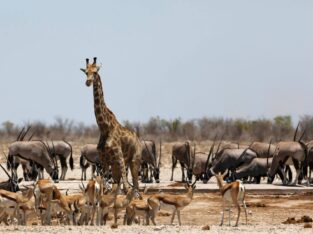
(266, 209)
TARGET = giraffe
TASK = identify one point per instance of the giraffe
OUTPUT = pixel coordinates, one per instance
(118, 146)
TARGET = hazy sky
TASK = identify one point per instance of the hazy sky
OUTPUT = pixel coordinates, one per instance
(188, 59)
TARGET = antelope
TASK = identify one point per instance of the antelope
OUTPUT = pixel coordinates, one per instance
(93, 193)
(106, 201)
(309, 146)
(230, 159)
(257, 168)
(296, 151)
(89, 156)
(182, 153)
(121, 202)
(200, 164)
(62, 150)
(232, 193)
(149, 161)
(173, 201)
(139, 207)
(46, 192)
(8, 199)
(36, 151)
(30, 168)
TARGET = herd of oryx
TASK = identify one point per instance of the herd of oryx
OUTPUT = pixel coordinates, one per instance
(229, 162)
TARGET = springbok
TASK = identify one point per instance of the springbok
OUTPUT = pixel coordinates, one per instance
(232, 193)
(8, 199)
(182, 153)
(121, 202)
(36, 151)
(47, 194)
(149, 161)
(62, 150)
(176, 202)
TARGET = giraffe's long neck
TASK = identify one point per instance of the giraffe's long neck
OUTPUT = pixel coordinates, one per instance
(102, 113)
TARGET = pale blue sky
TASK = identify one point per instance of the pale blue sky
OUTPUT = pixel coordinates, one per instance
(188, 59)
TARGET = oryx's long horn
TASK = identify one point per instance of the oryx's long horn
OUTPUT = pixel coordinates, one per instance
(24, 134)
(31, 136)
(20, 134)
(83, 185)
(94, 60)
(5, 171)
(194, 182)
(131, 185)
(296, 131)
(160, 153)
(302, 135)
(209, 155)
(218, 147)
(194, 155)
(87, 62)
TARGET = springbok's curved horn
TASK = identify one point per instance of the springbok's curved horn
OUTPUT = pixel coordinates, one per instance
(94, 60)
(296, 131)
(87, 61)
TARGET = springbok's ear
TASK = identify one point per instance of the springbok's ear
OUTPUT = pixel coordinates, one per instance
(83, 70)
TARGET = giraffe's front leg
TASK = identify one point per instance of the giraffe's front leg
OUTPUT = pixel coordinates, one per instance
(119, 160)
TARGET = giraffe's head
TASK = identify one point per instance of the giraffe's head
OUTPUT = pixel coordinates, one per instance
(91, 71)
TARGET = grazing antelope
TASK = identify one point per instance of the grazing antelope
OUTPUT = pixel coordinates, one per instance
(121, 202)
(176, 202)
(89, 156)
(182, 153)
(149, 162)
(47, 193)
(107, 200)
(12, 199)
(62, 150)
(231, 159)
(36, 151)
(232, 193)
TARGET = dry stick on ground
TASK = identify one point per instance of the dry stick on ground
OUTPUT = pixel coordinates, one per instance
(177, 202)
(232, 193)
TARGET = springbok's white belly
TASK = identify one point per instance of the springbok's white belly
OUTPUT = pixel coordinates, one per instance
(165, 206)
